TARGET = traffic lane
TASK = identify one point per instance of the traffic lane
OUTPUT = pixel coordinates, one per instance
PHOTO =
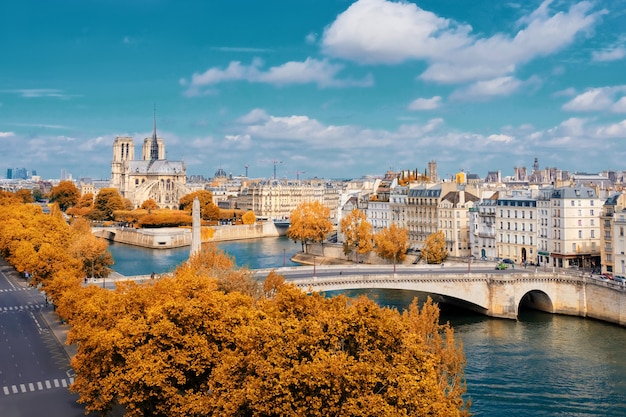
(50, 403)
(29, 351)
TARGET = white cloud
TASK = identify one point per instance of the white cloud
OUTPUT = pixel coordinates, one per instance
(611, 54)
(425, 103)
(617, 130)
(598, 99)
(310, 71)
(502, 86)
(501, 138)
(39, 92)
(6, 134)
(380, 31)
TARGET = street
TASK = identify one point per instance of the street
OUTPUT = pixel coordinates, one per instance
(34, 366)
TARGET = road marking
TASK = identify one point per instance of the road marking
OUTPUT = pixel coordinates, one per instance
(14, 388)
(31, 386)
(23, 387)
(39, 386)
(48, 386)
(6, 390)
(56, 383)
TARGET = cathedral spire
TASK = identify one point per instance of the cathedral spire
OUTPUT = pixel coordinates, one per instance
(154, 146)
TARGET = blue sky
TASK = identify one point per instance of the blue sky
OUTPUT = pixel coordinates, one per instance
(330, 88)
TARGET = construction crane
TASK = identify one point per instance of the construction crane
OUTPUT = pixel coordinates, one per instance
(274, 161)
(298, 174)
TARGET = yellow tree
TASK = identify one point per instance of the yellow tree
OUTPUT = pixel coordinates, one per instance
(392, 244)
(26, 196)
(89, 250)
(107, 201)
(357, 233)
(434, 250)
(309, 222)
(65, 194)
(248, 217)
(207, 208)
(149, 204)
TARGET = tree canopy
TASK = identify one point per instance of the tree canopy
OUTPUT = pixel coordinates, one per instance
(434, 250)
(392, 243)
(65, 194)
(107, 201)
(310, 222)
(187, 345)
(357, 232)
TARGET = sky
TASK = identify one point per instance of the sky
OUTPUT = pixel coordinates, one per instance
(314, 88)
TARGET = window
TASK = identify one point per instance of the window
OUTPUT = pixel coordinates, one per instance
(580, 222)
(573, 247)
(572, 203)
(621, 231)
(593, 235)
(580, 234)
(591, 212)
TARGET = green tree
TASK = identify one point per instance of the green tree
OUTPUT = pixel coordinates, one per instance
(106, 203)
(434, 250)
(65, 194)
(357, 232)
(309, 222)
(392, 244)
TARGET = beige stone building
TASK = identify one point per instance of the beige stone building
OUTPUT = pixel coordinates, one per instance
(612, 233)
(151, 177)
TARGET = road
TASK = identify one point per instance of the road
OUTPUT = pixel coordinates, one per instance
(34, 367)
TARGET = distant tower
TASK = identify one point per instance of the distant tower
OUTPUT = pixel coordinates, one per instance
(432, 171)
(154, 146)
(536, 165)
(123, 151)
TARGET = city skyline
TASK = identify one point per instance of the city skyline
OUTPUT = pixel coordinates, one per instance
(334, 89)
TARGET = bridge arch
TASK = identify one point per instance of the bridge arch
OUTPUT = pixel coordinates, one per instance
(536, 300)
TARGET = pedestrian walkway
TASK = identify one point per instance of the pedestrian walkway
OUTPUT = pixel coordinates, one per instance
(23, 307)
(47, 384)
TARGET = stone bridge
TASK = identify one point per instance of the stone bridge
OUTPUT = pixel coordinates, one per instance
(492, 294)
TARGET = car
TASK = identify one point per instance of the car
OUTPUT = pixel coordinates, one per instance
(619, 278)
(607, 275)
(501, 266)
(508, 261)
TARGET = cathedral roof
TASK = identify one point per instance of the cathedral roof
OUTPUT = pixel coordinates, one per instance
(160, 166)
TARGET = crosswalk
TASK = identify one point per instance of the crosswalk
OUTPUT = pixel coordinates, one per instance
(37, 386)
(23, 307)
(15, 289)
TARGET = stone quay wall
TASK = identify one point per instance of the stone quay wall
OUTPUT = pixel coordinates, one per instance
(174, 237)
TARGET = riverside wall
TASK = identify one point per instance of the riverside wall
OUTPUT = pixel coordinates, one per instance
(174, 237)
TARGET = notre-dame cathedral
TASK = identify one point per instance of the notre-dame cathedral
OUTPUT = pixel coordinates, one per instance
(151, 177)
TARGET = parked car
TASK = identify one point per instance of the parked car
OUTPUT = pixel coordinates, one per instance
(607, 275)
(619, 278)
(508, 261)
(501, 266)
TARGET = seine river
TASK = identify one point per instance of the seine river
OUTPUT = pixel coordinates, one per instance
(540, 365)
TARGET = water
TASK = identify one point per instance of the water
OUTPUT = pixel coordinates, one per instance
(540, 365)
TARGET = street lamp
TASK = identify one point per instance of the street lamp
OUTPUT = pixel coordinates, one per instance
(284, 257)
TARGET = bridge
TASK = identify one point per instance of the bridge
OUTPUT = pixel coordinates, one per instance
(486, 291)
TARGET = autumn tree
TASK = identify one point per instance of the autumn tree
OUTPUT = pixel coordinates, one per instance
(25, 196)
(392, 243)
(83, 207)
(149, 204)
(107, 201)
(65, 194)
(434, 250)
(179, 347)
(89, 250)
(248, 217)
(357, 233)
(309, 223)
(208, 210)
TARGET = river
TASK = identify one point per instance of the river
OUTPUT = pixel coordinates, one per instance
(539, 365)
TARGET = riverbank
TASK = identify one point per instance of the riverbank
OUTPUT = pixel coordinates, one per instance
(176, 237)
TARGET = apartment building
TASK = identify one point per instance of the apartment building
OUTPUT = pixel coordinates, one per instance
(482, 225)
(610, 233)
(454, 209)
(619, 243)
(574, 227)
(516, 227)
